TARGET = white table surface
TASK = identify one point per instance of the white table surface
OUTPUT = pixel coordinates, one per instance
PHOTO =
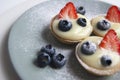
(10, 10)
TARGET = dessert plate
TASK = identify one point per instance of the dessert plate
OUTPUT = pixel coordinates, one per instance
(31, 32)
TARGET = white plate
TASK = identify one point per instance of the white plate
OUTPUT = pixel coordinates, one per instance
(31, 31)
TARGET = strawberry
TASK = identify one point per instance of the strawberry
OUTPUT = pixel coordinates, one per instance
(113, 14)
(110, 41)
(69, 11)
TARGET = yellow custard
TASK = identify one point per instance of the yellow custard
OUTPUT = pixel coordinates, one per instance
(115, 26)
(94, 59)
(77, 32)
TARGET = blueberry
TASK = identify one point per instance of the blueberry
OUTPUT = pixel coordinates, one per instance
(43, 59)
(103, 25)
(64, 25)
(58, 61)
(88, 48)
(48, 49)
(81, 10)
(106, 60)
(82, 22)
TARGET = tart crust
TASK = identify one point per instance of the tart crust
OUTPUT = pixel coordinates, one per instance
(97, 32)
(66, 41)
(99, 72)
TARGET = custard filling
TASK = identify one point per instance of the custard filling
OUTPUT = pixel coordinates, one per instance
(115, 26)
(77, 32)
(94, 60)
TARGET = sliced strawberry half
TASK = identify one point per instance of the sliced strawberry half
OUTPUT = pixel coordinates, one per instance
(110, 41)
(113, 14)
(69, 11)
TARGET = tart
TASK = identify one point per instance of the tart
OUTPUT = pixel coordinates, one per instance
(104, 22)
(100, 56)
(69, 26)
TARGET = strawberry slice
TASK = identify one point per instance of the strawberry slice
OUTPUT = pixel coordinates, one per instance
(69, 11)
(111, 41)
(113, 14)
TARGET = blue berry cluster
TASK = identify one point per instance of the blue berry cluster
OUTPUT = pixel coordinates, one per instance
(47, 56)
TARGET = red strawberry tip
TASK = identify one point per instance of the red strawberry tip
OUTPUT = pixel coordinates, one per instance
(111, 41)
(113, 14)
(68, 11)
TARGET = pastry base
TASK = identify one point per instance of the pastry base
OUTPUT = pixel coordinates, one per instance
(99, 72)
(66, 41)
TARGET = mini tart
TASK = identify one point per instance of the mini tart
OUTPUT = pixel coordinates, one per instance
(101, 33)
(92, 62)
(75, 34)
